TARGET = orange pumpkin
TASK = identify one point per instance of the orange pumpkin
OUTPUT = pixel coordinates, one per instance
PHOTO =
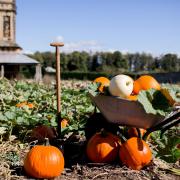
(103, 147)
(20, 105)
(132, 97)
(135, 153)
(30, 105)
(44, 162)
(25, 103)
(145, 82)
(104, 82)
(64, 123)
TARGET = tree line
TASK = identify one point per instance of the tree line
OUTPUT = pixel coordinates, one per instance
(110, 62)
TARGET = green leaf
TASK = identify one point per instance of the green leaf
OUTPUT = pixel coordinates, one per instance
(154, 102)
(166, 148)
(3, 130)
(173, 91)
(10, 115)
(93, 88)
(20, 120)
(2, 117)
(176, 153)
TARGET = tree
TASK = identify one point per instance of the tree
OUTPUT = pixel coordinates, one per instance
(64, 62)
(78, 61)
(170, 62)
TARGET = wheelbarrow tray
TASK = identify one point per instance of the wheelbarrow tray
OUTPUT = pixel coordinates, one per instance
(125, 112)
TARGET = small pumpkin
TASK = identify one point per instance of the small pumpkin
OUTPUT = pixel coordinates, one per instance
(103, 147)
(25, 103)
(22, 104)
(41, 132)
(135, 153)
(121, 85)
(104, 82)
(132, 97)
(64, 123)
(30, 105)
(44, 162)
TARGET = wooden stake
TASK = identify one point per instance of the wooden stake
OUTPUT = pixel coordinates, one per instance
(58, 84)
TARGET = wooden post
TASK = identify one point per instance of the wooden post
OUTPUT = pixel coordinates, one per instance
(38, 75)
(58, 84)
(2, 71)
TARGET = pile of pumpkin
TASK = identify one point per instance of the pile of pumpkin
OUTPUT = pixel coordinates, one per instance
(47, 161)
(103, 147)
(124, 86)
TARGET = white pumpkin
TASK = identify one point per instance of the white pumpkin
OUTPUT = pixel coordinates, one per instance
(121, 85)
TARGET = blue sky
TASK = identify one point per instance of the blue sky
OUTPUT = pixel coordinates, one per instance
(151, 26)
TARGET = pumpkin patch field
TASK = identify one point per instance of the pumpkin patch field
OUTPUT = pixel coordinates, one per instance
(89, 145)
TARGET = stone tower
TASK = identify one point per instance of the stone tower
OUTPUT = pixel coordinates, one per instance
(8, 26)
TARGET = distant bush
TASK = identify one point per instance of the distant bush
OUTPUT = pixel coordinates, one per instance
(89, 75)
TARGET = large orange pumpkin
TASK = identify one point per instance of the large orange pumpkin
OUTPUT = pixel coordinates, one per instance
(104, 82)
(44, 162)
(135, 153)
(145, 82)
(103, 147)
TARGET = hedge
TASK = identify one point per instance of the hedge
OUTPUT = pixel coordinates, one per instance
(90, 75)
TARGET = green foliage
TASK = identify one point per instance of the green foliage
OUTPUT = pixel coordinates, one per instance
(166, 148)
(76, 107)
(83, 75)
(170, 62)
(108, 62)
(93, 88)
(154, 102)
(174, 91)
(12, 158)
(19, 120)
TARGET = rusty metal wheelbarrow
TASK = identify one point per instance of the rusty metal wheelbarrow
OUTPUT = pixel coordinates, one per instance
(131, 113)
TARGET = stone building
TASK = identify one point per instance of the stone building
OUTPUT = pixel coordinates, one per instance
(11, 57)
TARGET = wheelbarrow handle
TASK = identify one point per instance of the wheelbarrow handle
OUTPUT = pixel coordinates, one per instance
(169, 126)
(164, 125)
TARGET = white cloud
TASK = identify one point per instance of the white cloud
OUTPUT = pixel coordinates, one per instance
(59, 39)
(27, 52)
(89, 45)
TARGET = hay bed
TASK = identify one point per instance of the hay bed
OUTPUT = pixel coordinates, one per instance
(12, 168)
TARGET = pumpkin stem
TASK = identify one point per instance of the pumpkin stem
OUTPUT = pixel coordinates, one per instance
(103, 132)
(139, 133)
(46, 142)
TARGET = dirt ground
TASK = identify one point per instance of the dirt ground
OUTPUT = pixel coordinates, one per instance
(78, 168)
